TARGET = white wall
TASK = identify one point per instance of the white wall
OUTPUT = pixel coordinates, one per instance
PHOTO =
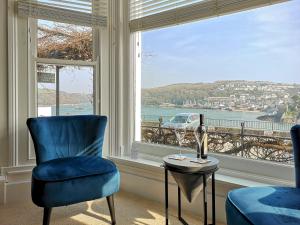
(3, 85)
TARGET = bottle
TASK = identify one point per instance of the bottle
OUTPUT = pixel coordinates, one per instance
(203, 139)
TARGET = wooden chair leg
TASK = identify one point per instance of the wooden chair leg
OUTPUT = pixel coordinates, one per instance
(110, 202)
(47, 215)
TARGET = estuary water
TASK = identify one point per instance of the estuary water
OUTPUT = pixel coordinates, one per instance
(152, 113)
(221, 118)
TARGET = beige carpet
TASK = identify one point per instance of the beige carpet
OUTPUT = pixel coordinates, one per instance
(129, 210)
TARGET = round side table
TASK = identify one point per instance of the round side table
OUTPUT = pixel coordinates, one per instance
(190, 176)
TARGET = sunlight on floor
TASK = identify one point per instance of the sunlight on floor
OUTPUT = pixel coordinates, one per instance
(130, 210)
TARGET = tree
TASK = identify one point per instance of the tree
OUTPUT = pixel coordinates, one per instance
(65, 42)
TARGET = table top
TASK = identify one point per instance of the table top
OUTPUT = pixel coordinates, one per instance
(186, 166)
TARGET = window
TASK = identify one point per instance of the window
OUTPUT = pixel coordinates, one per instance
(66, 66)
(64, 54)
(239, 70)
(47, 67)
(65, 90)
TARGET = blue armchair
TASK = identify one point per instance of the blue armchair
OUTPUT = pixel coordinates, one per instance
(267, 205)
(70, 168)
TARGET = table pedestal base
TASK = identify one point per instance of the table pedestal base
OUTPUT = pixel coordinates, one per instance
(181, 219)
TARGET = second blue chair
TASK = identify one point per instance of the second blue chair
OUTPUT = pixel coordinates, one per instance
(70, 168)
(267, 205)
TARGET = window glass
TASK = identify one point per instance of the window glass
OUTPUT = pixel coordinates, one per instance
(241, 71)
(46, 90)
(179, 119)
(64, 89)
(76, 90)
(64, 41)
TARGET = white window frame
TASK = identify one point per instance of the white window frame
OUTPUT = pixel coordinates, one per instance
(34, 60)
(261, 171)
(21, 85)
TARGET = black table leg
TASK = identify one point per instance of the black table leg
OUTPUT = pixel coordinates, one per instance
(166, 196)
(179, 208)
(204, 201)
(179, 203)
(213, 192)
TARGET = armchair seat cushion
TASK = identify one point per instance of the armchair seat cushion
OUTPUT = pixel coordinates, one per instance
(72, 167)
(263, 206)
(70, 180)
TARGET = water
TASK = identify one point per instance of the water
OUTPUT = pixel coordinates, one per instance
(216, 118)
(219, 118)
(154, 112)
(74, 109)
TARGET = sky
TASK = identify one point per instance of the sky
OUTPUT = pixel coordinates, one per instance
(259, 44)
(77, 79)
(74, 80)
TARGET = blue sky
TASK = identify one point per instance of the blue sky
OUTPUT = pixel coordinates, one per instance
(260, 44)
(73, 80)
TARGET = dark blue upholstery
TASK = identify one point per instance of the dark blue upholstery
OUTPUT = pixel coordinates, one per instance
(65, 136)
(295, 134)
(70, 168)
(263, 206)
(267, 205)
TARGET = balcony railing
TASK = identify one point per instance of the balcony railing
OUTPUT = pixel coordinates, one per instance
(243, 140)
(257, 125)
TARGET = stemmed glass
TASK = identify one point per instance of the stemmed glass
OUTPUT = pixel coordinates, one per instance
(200, 139)
(197, 137)
(180, 134)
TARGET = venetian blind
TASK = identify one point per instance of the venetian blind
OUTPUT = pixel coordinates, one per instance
(81, 12)
(149, 14)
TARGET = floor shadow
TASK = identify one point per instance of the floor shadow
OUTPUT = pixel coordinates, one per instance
(97, 217)
(127, 212)
(130, 210)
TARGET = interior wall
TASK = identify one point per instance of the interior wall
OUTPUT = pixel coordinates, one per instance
(3, 85)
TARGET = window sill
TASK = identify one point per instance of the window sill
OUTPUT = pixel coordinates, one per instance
(152, 169)
(258, 171)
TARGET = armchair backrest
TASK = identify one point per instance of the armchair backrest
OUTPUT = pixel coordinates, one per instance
(295, 134)
(66, 136)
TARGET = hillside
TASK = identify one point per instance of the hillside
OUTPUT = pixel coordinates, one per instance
(177, 93)
(48, 97)
(180, 93)
(230, 94)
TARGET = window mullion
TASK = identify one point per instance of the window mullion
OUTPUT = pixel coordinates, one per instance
(64, 62)
(57, 90)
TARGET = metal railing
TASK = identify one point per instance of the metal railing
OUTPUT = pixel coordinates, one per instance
(253, 145)
(257, 125)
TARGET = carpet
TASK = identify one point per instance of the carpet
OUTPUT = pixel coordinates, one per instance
(130, 210)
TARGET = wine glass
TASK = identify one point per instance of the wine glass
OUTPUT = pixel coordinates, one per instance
(180, 134)
(196, 134)
(199, 136)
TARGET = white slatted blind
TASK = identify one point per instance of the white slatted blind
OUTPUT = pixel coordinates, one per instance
(149, 14)
(82, 12)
